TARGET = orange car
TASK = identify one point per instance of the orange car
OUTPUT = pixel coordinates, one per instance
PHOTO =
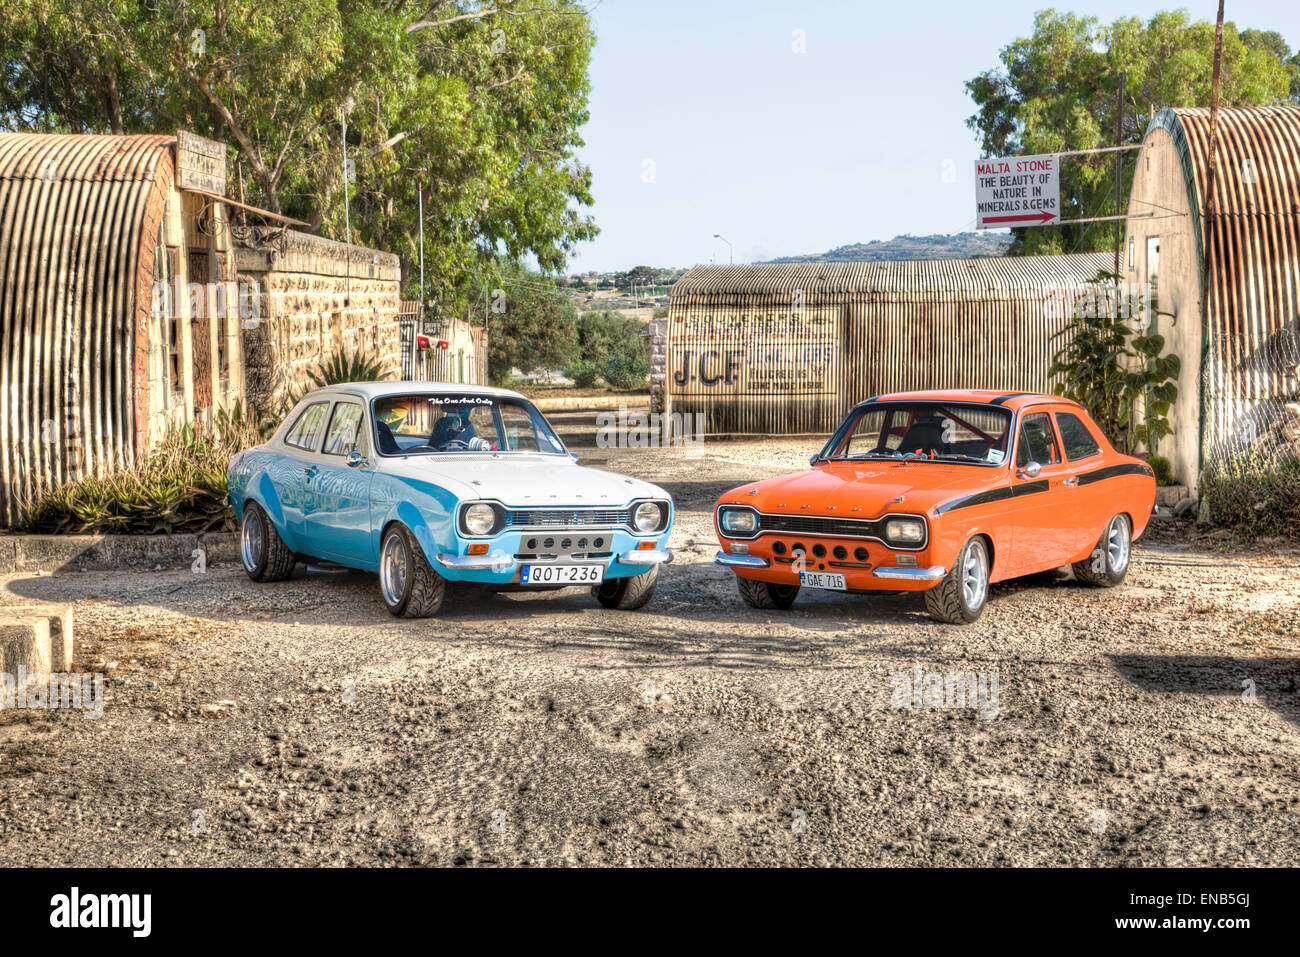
(942, 492)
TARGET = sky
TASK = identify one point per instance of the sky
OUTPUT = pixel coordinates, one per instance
(706, 119)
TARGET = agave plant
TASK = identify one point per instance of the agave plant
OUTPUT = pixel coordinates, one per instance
(340, 367)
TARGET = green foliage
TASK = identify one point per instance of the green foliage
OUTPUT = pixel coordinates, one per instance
(624, 370)
(583, 372)
(341, 367)
(1163, 469)
(1056, 90)
(181, 487)
(536, 327)
(484, 112)
(1255, 495)
(601, 334)
(1108, 369)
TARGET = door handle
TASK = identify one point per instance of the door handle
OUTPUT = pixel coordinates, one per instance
(1071, 482)
(310, 471)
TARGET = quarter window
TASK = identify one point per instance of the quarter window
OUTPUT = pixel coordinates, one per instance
(345, 428)
(1076, 438)
(305, 433)
(1037, 441)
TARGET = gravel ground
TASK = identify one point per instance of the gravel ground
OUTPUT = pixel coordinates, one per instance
(297, 723)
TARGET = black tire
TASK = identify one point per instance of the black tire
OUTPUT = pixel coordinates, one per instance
(766, 595)
(408, 585)
(262, 551)
(960, 597)
(1108, 564)
(627, 594)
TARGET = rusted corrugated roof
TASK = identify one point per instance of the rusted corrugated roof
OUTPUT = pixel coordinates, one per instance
(1248, 239)
(980, 277)
(78, 220)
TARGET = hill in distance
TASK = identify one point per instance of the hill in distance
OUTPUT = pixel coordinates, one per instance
(955, 246)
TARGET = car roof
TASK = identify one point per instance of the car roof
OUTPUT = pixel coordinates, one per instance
(376, 390)
(1007, 400)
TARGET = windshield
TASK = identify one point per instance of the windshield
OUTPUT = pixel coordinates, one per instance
(929, 431)
(425, 423)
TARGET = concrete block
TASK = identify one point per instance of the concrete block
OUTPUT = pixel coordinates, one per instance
(24, 641)
(57, 552)
(58, 622)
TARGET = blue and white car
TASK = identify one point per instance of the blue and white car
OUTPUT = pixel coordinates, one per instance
(428, 483)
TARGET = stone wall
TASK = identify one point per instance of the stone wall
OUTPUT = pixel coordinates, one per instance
(307, 298)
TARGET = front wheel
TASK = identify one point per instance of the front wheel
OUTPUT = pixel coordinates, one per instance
(409, 585)
(766, 595)
(960, 597)
(265, 556)
(1108, 563)
(627, 594)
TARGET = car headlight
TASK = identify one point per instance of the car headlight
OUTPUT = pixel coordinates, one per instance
(479, 519)
(647, 517)
(739, 521)
(905, 531)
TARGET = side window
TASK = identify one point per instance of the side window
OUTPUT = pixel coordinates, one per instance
(305, 433)
(1037, 441)
(345, 429)
(1076, 438)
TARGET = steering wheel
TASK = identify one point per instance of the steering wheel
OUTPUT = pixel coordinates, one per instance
(885, 450)
(454, 442)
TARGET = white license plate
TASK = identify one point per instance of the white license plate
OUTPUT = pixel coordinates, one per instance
(832, 580)
(562, 575)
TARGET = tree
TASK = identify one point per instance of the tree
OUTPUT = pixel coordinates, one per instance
(532, 324)
(1056, 91)
(480, 104)
(606, 332)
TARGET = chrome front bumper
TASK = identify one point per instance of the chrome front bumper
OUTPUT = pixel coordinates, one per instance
(648, 556)
(740, 561)
(475, 562)
(910, 573)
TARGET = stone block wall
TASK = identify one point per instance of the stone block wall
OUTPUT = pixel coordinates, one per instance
(305, 297)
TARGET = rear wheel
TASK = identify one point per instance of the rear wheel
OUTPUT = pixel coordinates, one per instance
(960, 597)
(627, 594)
(766, 595)
(407, 582)
(263, 552)
(1108, 563)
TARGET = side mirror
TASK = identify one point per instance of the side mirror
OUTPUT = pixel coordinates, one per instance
(815, 459)
(1030, 470)
(355, 459)
(574, 456)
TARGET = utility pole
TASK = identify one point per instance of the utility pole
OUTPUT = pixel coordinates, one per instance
(1212, 174)
(419, 190)
(347, 203)
(1120, 224)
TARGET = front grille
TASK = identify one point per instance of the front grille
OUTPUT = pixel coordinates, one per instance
(824, 527)
(567, 517)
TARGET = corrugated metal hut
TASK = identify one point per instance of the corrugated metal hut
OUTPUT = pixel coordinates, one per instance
(788, 348)
(1227, 266)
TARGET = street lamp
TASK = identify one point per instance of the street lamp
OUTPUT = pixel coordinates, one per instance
(730, 259)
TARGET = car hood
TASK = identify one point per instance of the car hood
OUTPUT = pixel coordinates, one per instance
(526, 480)
(873, 487)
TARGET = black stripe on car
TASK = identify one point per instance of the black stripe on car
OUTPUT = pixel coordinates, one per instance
(993, 495)
(1002, 399)
(1114, 471)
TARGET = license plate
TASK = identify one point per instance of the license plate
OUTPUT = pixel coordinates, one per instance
(832, 580)
(562, 575)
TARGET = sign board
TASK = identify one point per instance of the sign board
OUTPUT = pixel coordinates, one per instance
(200, 163)
(1018, 191)
(759, 352)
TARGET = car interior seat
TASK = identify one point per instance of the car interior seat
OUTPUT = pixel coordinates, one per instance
(387, 444)
(925, 433)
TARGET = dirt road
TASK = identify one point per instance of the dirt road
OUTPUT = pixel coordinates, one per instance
(297, 723)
